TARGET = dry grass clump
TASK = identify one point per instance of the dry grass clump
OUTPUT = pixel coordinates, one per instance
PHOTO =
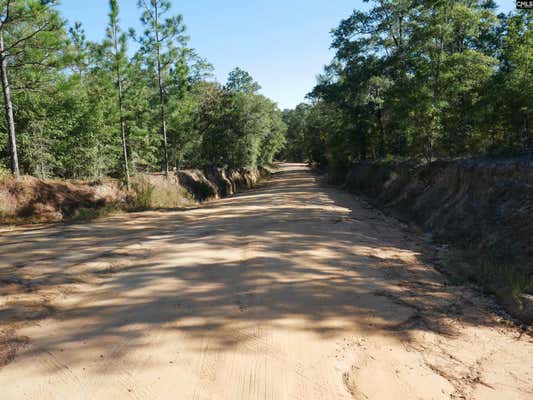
(156, 191)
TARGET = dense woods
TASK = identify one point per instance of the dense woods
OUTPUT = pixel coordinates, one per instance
(410, 79)
(420, 79)
(136, 102)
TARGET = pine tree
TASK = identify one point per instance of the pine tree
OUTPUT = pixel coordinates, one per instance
(160, 43)
(117, 47)
(28, 31)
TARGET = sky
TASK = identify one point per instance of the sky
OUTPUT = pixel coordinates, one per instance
(284, 44)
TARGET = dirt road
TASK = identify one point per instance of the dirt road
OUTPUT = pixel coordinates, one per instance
(291, 291)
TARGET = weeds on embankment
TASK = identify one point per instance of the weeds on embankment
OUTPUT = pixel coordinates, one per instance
(161, 193)
(29, 200)
(507, 279)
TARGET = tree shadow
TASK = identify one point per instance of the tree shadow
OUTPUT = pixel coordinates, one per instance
(285, 255)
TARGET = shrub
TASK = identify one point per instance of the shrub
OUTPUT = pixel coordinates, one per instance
(143, 194)
(87, 214)
(205, 190)
(493, 275)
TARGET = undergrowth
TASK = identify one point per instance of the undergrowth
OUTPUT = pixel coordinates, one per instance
(166, 194)
(502, 278)
(205, 191)
(87, 214)
(143, 193)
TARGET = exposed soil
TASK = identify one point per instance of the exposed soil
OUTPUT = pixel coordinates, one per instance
(485, 205)
(481, 208)
(292, 291)
(31, 200)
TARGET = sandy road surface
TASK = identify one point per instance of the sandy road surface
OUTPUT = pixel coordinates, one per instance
(291, 291)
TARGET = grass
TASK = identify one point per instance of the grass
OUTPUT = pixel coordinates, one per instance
(87, 214)
(82, 214)
(5, 173)
(144, 190)
(170, 197)
(165, 194)
(499, 277)
(148, 192)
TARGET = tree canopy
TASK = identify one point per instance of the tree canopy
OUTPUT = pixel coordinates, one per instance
(409, 79)
(242, 82)
(420, 79)
(82, 109)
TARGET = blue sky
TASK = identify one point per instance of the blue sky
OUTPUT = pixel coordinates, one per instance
(283, 43)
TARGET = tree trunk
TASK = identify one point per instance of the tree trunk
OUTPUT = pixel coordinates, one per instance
(124, 147)
(121, 113)
(175, 154)
(161, 92)
(8, 105)
(381, 133)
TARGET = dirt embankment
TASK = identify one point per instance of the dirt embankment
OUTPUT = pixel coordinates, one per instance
(30, 199)
(35, 200)
(294, 291)
(219, 182)
(482, 208)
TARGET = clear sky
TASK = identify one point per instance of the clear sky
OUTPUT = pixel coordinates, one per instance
(283, 43)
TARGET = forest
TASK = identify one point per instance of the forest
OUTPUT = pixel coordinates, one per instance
(410, 79)
(420, 80)
(85, 110)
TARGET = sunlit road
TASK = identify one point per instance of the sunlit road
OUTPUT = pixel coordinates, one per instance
(291, 291)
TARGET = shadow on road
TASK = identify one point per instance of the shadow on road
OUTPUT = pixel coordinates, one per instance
(291, 253)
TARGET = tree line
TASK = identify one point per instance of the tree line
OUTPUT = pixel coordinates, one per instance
(420, 79)
(81, 109)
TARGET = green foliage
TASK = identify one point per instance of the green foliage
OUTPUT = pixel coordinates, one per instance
(159, 193)
(164, 53)
(33, 34)
(239, 129)
(296, 121)
(241, 81)
(31, 42)
(87, 214)
(4, 173)
(115, 53)
(504, 279)
(143, 194)
(420, 80)
(74, 98)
